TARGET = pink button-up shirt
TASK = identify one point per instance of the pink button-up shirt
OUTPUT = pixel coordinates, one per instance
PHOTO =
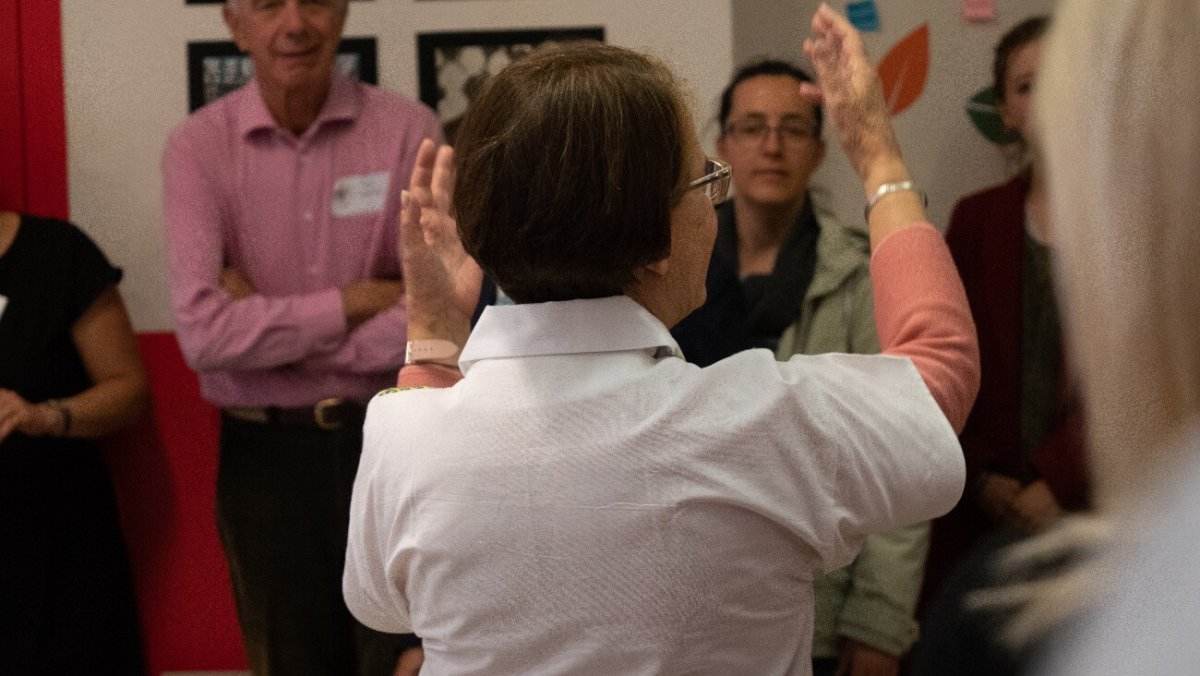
(300, 217)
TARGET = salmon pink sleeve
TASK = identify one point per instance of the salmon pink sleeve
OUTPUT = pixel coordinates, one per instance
(921, 312)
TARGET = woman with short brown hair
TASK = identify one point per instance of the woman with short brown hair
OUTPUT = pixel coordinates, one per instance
(583, 501)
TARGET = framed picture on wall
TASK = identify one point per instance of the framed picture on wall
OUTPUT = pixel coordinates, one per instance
(203, 2)
(452, 67)
(217, 68)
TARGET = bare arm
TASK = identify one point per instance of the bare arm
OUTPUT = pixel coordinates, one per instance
(921, 309)
(853, 99)
(442, 280)
(107, 345)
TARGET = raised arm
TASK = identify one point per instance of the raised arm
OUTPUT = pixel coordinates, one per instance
(442, 281)
(921, 310)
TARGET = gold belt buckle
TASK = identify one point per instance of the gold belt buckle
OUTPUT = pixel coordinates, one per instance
(323, 408)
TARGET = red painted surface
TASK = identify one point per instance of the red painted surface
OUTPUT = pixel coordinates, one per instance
(44, 115)
(12, 137)
(165, 474)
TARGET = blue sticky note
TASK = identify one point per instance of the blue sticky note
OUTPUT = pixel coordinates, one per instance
(863, 15)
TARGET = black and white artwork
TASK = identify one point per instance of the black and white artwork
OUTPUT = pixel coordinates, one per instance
(452, 67)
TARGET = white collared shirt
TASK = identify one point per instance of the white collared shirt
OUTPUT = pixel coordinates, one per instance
(583, 503)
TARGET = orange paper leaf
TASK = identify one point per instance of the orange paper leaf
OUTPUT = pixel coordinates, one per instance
(904, 68)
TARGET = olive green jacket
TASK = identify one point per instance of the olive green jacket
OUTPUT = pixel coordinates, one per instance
(873, 600)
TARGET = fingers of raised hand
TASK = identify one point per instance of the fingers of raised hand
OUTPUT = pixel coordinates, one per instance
(848, 37)
(433, 226)
(826, 33)
(410, 219)
(442, 185)
(811, 92)
(421, 181)
(835, 45)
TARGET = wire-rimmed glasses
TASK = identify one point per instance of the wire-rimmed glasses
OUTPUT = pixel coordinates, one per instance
(715, 181)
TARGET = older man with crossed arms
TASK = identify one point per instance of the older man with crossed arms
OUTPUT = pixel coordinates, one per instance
(280, 201)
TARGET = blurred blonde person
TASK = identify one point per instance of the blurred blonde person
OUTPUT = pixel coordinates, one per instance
(1122, 150)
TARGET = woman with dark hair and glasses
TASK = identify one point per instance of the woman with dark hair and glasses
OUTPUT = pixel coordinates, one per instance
(579, 499)
(787, 276)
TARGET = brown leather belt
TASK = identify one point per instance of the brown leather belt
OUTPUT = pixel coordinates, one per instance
(328, 414)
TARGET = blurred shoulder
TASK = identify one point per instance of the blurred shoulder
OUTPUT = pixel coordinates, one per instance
(55, 231)
(210, 129)
(1004, 197)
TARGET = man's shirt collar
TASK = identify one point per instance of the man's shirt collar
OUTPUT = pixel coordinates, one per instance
(342, 104)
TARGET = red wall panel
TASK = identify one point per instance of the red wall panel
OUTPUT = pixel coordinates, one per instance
(12, 137)
(165, 475)
(44, 115)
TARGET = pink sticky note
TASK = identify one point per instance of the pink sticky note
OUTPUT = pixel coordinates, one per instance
(979, 10)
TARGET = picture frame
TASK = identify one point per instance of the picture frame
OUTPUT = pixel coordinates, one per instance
(216, 68)
(452, 66)
(213, 2)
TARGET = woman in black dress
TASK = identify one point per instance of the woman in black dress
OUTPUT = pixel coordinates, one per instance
(69, 372)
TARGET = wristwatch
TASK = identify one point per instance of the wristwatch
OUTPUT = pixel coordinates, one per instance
(431, 351)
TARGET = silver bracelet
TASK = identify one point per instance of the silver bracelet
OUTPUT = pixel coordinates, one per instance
(889, 188)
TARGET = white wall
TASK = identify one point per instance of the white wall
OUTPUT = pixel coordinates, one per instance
(945, 153)
(125, 76)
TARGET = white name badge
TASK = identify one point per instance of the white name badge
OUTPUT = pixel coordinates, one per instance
(362, 194)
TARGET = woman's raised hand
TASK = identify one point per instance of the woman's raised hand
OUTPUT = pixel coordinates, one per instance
(441, 281)
(851, 92)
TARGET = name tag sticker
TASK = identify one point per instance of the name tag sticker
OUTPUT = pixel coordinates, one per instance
(3, 304)
(362, 194)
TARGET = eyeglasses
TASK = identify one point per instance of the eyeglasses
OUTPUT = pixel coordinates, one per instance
(715, 181)
(757, 131)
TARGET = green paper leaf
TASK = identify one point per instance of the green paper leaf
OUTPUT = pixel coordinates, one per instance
(985, 115)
